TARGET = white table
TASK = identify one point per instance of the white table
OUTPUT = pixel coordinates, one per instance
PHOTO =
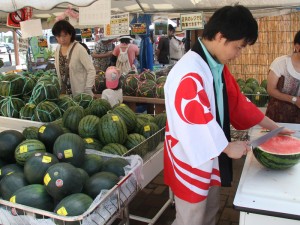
(268, 197)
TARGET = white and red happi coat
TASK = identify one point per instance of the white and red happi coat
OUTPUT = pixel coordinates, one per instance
(194, 139)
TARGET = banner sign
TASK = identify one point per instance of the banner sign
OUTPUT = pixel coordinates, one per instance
(119, 25)
(139, 28)
(194, 21)
(14, 18)
(86, 33)
(160, 25)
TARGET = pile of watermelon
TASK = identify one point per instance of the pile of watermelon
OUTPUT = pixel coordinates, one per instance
(145, 84)
(255, 91)
(47, 167)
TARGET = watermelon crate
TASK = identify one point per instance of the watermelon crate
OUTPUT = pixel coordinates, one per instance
(106, 207)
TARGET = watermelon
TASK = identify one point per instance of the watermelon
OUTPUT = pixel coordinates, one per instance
(34, 195)
(147, 75)
(84, 175)
(149, 130)
(161, 120)
(31, 132)
(99, 107)
(83, 99)
(146, 88)
(115, 166)
(73, 205)
(62, 179)
(48, 133)
(146, 117)
(264, 84)
(92, 163)
(28, 86)
(127, 115)
(50, 79)
(11, 183)
(99, 86)
(112, 129)
(72, 117)
(9, 140)
(114, 148)
(161, 79)
(160, 92)
(12, 85)
(260, 97)
(44, 91)
(98, 182)
(10, 107)
(279, 152)
(92, 143)
(47, 112)
(135, 140)
(10, 168)
(36, 166)
(64, 102)
(252, 80)
(130, 85)
(69, 148)
(27, 148)
(88, 126)
(27, 111)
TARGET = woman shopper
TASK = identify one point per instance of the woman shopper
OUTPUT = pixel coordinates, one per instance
(283, 85)
(202, 100)
(74, 66)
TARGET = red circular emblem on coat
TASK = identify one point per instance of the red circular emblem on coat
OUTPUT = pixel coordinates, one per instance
(191, 101)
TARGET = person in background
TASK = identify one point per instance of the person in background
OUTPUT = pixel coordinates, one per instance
(86, 47)
(103, 52)
(163, 49)
(132, 53)
(113, 92)
(202, 99)
(176, 46)
(283, 85)
(74, 67)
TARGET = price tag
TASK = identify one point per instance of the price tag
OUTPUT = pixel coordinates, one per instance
(62, 211)
(122, 104)
(47, 179)
(23, 148)
(147, 128)
(68, 153)
(13, 199)
(89, 140)
(46, 159)
(42, 129)
(115, 118)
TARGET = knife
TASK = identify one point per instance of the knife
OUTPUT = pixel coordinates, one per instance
(258, 141)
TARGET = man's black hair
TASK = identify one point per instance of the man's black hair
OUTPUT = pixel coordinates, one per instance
(64, 26)
(297, 38)
(234, 23)
(171, 28)
(125, 40)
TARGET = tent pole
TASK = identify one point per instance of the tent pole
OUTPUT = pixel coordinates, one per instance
(16, 48)
(140, 5)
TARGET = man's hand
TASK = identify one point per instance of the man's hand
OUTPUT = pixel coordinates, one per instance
(237, 149)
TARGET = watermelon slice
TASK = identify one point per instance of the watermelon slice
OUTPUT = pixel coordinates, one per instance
(279, 152)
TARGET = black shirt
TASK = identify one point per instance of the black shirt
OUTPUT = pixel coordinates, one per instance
(163, 46)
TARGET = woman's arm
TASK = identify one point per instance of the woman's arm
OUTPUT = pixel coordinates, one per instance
(102, 55)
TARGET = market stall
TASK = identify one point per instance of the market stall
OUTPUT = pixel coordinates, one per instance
(265, 196)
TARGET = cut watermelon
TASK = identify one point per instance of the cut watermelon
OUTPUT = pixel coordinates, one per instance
(280, 152)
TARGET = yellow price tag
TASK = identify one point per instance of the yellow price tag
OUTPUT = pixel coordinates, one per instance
(68, 153)
(89, 140)
(257, 97)
(122, 104)
(0, 172)
(31, 105)
(46, 159)
(62, 211)
(47, 179)
(13, 199)
(23, 148)
(42, 129)
(147, 128)
(115, 118)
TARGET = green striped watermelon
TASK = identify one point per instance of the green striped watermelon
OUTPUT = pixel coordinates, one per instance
(11, 183)
(92, 143)
(130, 84)
(146, 88)
(31, 132)
(160, 93)
(99, 107)
(27, 148)
(48, 133)
(135, 140)
(114, 148)
(27, 112)
(12, 85)
(279, 152)
(99, 83)
(28, 86)
(160, 119)
(149, 131)
(127, 115)
(9, 169)
(47, 112)
(10, 107)
(112, 129)
(88, 126)
(115, 166)
(44, 91)
(147, 75)
(72, 117)
(92, 164)
(161, 79)
(83, 99)
(64, 102)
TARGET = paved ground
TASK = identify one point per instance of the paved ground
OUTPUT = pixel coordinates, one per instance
(149, 201)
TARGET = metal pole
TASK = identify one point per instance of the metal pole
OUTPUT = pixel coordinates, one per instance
(16, 47)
